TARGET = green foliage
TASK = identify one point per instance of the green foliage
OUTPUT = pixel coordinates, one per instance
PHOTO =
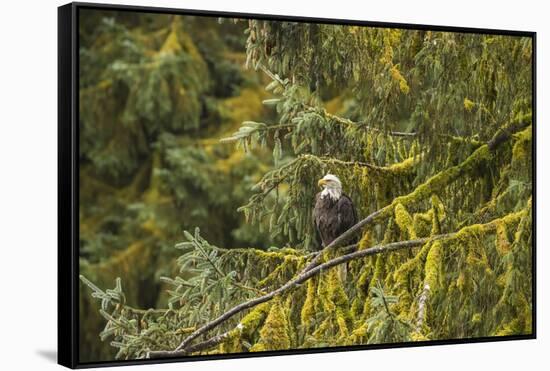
(157, 93)
(274, 333)
(208, 280)
(431, 129)
(384, 326)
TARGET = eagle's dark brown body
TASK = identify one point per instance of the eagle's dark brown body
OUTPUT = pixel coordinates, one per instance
(333, 217)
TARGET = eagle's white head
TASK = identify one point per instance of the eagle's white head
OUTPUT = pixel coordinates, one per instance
(332, 187)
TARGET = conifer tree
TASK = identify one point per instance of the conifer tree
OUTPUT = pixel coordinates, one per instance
(431, 135)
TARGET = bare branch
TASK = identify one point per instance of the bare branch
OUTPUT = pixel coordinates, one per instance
(213, 341)
(422, 307)
(364, 126)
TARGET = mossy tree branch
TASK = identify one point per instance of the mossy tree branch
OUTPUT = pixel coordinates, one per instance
(435, 183)
(442, 179)
(185, 347)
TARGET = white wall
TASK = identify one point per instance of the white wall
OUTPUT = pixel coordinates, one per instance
(28, 63)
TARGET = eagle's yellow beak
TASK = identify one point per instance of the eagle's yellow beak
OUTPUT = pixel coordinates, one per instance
(321, 182)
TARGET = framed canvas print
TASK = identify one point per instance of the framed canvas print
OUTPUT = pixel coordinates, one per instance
(235, 185)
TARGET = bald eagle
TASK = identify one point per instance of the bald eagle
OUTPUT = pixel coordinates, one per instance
(334, 212)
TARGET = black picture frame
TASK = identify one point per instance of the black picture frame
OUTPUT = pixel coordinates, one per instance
(68, 180)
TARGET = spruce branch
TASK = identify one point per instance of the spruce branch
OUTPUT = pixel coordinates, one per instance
(324, 112)
(198, 243)
(364, 125)
(435, 183)
(439, 180)
(185, 346)
(249, 129)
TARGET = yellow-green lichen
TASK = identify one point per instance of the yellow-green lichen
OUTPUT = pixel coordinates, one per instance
(339, 298)
(307, 314)
(398, 77)
(404, 221)
(366, 241)
(433, 266)
(439, 181)
(274, 333)
(418, 336)
(402, 273)
(422, 223)
(521, 152)
(360, 333)
(403, 167)
(468, 105)
(502, 243)
(234, 339)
